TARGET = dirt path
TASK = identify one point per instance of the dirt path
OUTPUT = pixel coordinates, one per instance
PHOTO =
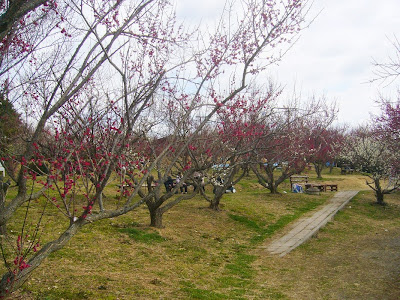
(305, 228)
(357, 256)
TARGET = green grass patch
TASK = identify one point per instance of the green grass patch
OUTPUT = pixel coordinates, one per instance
(241, 267)
(246, 222)
(194, 292)
(262, 232)
(366, 205)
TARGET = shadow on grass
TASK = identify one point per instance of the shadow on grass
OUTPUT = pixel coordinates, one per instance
(142, 235)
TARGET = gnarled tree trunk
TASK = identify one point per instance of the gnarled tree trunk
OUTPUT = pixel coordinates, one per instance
(156, 217)
(214, 203)
(379, 193)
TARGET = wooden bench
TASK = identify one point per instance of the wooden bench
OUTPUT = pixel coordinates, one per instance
(322, 187)
(297, 179)
(331, 187)
(346, 170)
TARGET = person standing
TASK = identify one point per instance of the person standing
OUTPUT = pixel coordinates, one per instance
(183, 187)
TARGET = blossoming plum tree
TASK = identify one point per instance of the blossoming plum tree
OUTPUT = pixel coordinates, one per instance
(282, 149)
(388, 125)
(286, 143)
(377, 148)
(91, 95)
(370, 154)
(239, 129)
(324, 144)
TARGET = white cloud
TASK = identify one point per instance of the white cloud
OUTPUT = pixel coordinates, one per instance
(204, 10)
(334, 55)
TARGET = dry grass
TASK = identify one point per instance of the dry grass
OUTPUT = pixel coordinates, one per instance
(202, 254)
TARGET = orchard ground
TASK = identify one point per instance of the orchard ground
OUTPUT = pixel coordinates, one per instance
(203, 254)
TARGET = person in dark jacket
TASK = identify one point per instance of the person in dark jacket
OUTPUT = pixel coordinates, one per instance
(169, 184)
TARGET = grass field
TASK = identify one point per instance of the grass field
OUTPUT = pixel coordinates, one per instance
(203, 254)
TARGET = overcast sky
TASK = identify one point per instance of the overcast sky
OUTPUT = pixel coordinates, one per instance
(334, 55)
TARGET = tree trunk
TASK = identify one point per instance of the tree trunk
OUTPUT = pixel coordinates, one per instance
(246, 172)
(270, 180)
(214, 205)
(379, 194)
(273, 188)
(331, 166)
(3, 192)
(379, 197)
(318, 169)
(101, 205)
(156, 215)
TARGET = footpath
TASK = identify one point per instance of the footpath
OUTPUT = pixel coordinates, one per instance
(305, 228)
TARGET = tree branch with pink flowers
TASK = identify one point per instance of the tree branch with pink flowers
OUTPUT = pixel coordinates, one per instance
(103, 82)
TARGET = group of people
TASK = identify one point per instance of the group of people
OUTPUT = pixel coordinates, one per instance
(170, 183)
(220, 182)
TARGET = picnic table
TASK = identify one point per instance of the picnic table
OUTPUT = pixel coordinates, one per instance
(322, 187)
